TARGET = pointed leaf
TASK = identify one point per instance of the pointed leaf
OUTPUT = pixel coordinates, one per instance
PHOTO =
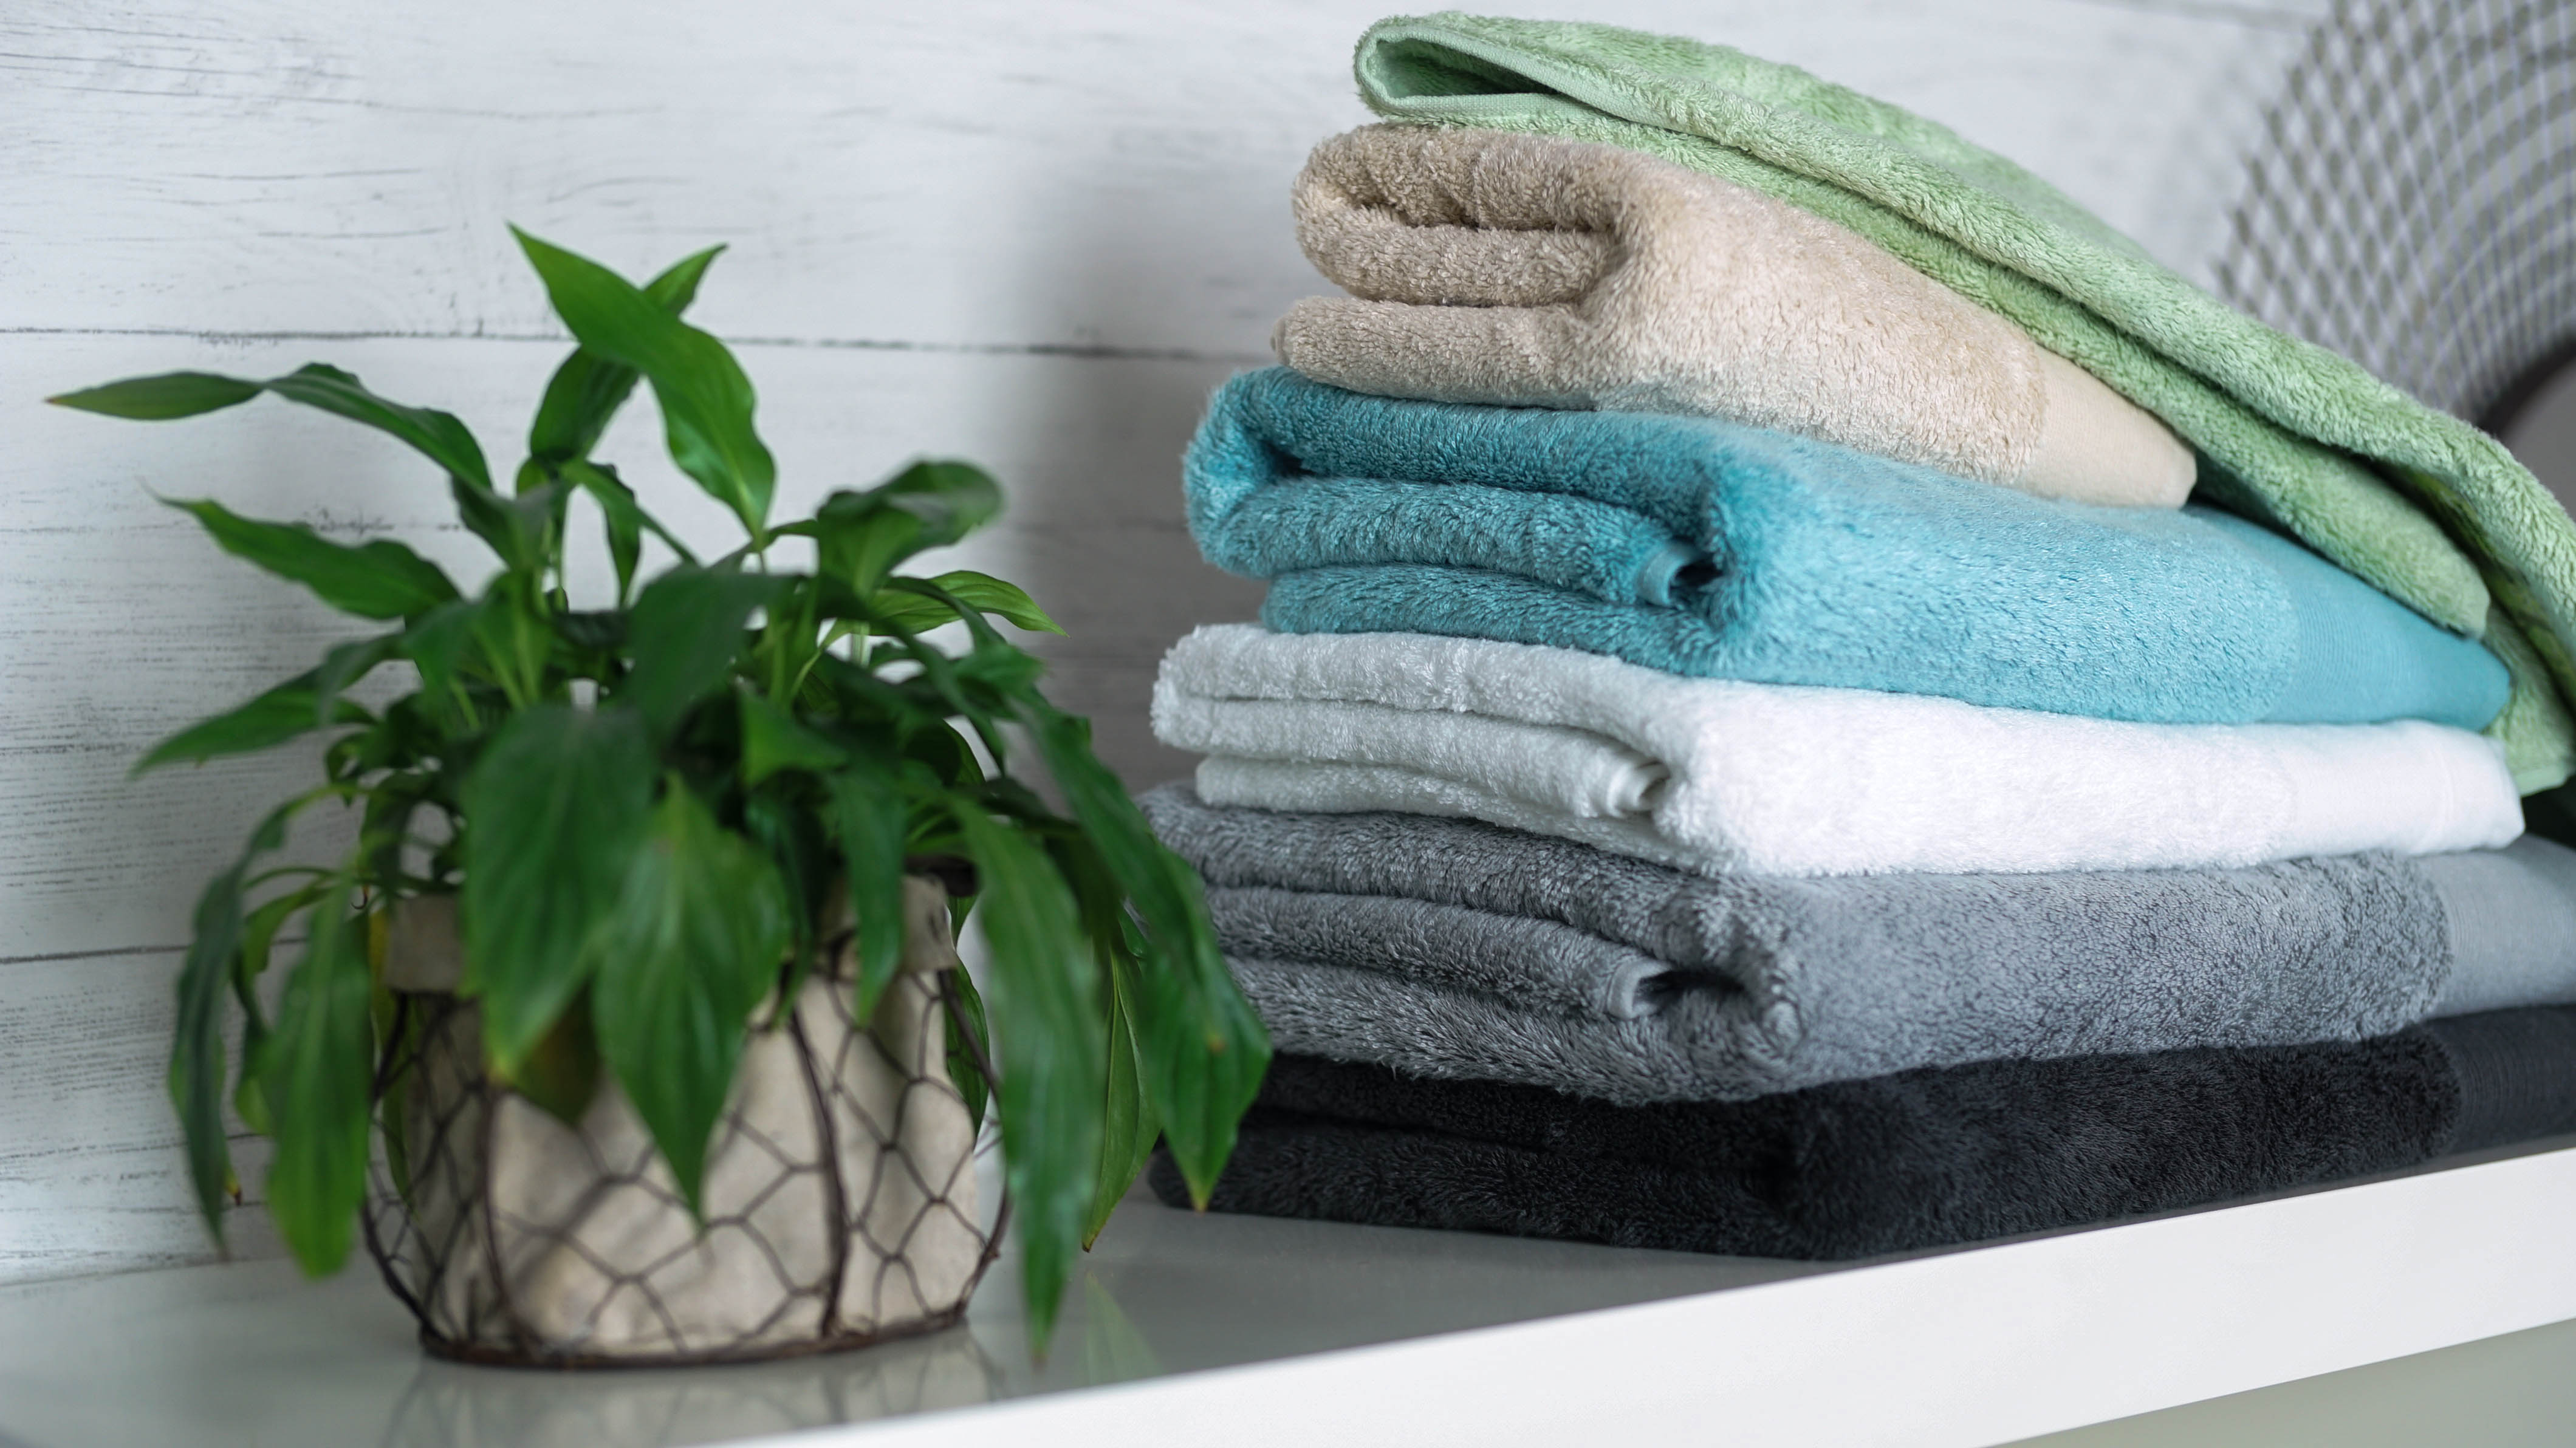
(435, 435)
(993, 595)
(317, 1068)
(554, 808)
(518, 529)
(344, 666)
(1127, 1127)
(860, 537)
(618, 500)
(380, 579)
(293, 708)
(706, 400)
(772, 741)
(197, 1044)
(785, 824)
(1203, 1048)
(693, 945)
(872, 824)
(436, 643)
(963, 1054)
(587, 389)
(158, 399)
(1047, 1023)
(685, 630)
(951, 499)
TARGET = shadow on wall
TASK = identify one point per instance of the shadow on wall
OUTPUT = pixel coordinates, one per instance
(1096, 530)
(2541, 428)
(1102, 543)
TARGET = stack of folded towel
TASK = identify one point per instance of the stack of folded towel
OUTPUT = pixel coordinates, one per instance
(1813, 702)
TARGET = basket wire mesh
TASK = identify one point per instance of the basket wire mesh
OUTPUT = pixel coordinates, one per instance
(839, 1192)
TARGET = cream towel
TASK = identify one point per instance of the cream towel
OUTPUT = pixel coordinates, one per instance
(1717, 776)
(1527, 270)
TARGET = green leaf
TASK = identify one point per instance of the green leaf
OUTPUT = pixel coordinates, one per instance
(553, 810)
(949, 499)
(860, 537)
(343, 666)
(772, 741)
(435, 435)
(706, 400)
(250, 961)
(1128, 1127)
(316, 1071)
(1203, 1048)
(158, 399)
(197, 1044)
(873, 824)
(381, 579)
(785, 823)
(1046, 1019)
(293, 708)
(963, 1072)
(685, 631)
(436, 643)
(694, 944)
(993, 595)
(587, 389)
(560, 1073)
(519, 528)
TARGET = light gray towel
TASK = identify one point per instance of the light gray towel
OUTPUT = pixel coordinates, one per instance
(1455, 949)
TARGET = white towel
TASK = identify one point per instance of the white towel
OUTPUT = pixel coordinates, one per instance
(1717, 776)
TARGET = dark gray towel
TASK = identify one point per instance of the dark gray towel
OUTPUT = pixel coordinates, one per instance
(1922, 1159)
(1456, 949)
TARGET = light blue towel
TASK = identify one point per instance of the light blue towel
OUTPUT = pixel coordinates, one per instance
(1706, 548)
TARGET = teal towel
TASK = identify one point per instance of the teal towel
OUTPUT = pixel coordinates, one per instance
(2412, 500)
(1707, 548)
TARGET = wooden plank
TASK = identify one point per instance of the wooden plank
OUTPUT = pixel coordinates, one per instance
(983, 173)
(119, 623)
(1031, 235)
(92, 1178)
(1952, 1350)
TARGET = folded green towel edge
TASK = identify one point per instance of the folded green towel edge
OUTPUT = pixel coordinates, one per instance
(2281, 418)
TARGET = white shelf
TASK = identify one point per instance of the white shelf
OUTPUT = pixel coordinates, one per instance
(1242, 1330)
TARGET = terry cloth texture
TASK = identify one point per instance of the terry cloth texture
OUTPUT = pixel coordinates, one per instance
(1709, 548)
(2415, 501)
(1923, 1159)
(1716, 776)
(1499, 268)
(1451, 949)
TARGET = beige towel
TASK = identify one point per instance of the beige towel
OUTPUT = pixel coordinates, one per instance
(1492, 267)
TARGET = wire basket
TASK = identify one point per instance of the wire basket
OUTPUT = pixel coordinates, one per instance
(839, 1193)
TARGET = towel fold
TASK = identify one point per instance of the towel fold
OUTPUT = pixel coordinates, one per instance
(1706, 548)
(1718, 776)
(2414, 501)
(1923, 1159)
(1499, 268)
(1450, 949)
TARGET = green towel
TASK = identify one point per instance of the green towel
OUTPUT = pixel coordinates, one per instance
(2420, 504)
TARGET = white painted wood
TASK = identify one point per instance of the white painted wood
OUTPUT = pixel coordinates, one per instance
(1243, 1330)
(977, 173)
(1030, 234)
(120, 623)
(1951, 1351)
(89, 1165)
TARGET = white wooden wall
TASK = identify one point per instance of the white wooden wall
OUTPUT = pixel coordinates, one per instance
(1028, 232)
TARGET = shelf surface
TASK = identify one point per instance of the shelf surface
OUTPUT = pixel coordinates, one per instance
(1266, 1330)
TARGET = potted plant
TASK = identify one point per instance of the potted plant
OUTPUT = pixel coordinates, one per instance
(626, 1032)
